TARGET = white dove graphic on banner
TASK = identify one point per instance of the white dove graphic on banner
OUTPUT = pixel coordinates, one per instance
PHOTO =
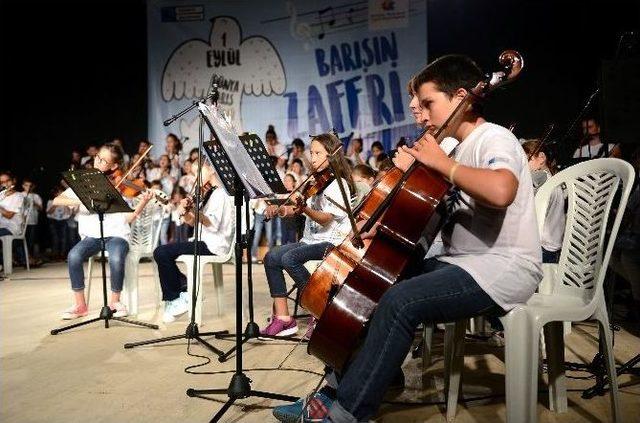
(248, 66)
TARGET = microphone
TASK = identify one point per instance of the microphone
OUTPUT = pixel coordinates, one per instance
(213, 88)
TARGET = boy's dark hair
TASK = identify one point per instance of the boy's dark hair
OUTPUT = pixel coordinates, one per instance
(179, 190)
(297, 142)
(298, 161)
(450, 73)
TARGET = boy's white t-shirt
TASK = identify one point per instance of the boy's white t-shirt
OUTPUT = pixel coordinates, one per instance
(12, 203)
(221, 212)
(114, 224)
(499, 248)
(339, 227)
(32, 219)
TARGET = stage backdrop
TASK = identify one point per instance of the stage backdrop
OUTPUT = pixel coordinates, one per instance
(303, 66)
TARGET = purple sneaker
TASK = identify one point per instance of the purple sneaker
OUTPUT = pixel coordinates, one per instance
(278, 327)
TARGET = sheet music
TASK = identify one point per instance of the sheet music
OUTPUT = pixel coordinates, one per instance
(249, 174)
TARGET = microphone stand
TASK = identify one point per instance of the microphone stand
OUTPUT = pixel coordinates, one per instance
(592, 96)
(192, 331)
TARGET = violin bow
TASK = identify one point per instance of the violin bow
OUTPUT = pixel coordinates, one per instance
(338, 171)
(543, 140)
(134, 165)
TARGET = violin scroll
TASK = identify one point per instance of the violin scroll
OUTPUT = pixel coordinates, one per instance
(511, 63)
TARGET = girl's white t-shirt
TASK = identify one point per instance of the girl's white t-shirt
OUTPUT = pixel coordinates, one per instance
(114, 224)
(339, 227)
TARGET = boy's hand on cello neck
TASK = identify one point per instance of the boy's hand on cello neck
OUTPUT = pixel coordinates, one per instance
(428, 152)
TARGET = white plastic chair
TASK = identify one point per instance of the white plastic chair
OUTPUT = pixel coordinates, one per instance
(574, 293)
(216, 265)
(145, 232)
(7, 240)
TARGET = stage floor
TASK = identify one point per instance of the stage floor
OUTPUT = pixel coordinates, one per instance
(85, 375)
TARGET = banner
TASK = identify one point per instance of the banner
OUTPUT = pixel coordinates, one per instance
(304, 67)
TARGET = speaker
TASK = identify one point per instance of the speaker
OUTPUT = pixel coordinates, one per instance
(620, 101)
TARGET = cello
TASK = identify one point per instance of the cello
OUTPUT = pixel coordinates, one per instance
(346, 287)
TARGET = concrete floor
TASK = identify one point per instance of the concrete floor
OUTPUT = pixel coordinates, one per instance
(85, 374)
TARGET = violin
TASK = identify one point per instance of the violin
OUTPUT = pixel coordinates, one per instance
(132, 187)
(314, 184)
(205, 193)
(115, 177)
(135, 187)
(321, 180)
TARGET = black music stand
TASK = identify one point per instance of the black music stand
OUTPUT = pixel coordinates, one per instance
(243, 176)
(99, 196)
(258, 153)
(192, 331)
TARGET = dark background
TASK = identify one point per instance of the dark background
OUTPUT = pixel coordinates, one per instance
(74, 73)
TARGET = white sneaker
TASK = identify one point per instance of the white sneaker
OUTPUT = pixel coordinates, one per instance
(186, 297)
(176, 307)
(119, 309)
(168, 317)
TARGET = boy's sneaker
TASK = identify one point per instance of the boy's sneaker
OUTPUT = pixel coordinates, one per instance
(278, 327)
(74, 312)
(174, 308)
(167, 317)
(310, 327)
(316, 411)
(119, 309)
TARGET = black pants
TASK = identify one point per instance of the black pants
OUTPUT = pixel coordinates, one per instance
(172, 281)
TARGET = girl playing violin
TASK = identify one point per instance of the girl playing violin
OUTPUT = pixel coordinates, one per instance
(116, 235)
(326, 226)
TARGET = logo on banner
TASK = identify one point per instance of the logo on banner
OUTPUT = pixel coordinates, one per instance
(241, 66)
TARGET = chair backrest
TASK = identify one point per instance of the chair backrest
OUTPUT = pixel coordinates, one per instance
(590, 187)
(145, 231)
